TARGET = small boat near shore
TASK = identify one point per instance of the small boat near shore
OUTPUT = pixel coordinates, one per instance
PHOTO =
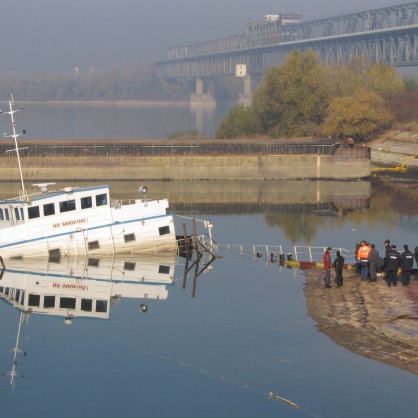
(85, 220)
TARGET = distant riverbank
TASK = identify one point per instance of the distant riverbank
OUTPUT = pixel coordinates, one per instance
(139, 103)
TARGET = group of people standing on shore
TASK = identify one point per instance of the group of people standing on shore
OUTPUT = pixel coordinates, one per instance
(369, 263)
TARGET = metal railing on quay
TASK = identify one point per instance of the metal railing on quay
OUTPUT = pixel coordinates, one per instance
(164, 149)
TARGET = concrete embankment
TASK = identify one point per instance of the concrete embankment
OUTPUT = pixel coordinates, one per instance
(396, 148)
(212, 161)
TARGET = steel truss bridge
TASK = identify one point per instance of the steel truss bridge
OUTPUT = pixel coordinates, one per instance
(386, 34)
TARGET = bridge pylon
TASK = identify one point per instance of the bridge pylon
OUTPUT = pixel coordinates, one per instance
(200, 98)
(246, 97)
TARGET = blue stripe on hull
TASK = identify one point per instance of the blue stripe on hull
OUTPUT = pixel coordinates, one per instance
(64, 276)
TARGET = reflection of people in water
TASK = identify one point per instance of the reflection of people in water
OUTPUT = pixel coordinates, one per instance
(338, 266)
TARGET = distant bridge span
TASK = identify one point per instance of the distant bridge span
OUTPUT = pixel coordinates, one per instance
(387, 34)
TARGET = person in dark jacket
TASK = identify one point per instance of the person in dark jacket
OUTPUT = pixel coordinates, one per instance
(327, 267)
(358, 264)
(407, 263)
(388, 249)
(338, 266)
(393, 262)
(373, 260)
(416, 255)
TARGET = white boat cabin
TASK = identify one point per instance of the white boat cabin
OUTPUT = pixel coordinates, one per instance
(42, 206)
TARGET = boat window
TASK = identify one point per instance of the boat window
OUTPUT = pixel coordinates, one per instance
(33, 212)
(67, 303)
(49, 301)
(17, 214)
(54, 255)
(93, 245)
(164, 230)
(67, 205)
(21, 214)
(101, 199)
(34, 300)
(49, 209)
(1, 215)
(17, 294)
(1, 289)
(93, 262)
(129, 265)
(22, 299)
(87, 305)
(6, 212)
(164, 269)
(129, 237)
(16, 257)
(101, 305)
(86, 202)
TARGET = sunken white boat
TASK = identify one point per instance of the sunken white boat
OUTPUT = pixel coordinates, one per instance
(85, 220)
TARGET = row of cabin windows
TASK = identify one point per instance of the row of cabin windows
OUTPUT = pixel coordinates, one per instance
(6, 291)
(49, 301)
(67, 206)
(49, 208)
(5, 215)
(67, 303)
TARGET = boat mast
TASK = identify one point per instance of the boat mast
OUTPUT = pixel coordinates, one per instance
(17, 350)
(11, 112)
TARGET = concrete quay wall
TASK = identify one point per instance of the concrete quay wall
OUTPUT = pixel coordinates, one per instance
(231, 167)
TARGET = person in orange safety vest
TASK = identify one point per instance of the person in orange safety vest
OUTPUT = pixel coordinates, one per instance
(362, 257)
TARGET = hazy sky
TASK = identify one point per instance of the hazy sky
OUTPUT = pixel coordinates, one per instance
(58, 35)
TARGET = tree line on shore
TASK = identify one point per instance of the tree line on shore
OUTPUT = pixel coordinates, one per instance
(304, 98)
(135, 82)
(299, 98)
(130, 82)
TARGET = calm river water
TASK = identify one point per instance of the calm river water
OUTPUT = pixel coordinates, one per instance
(218, 346)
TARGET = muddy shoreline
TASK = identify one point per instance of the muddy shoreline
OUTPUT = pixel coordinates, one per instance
(369, 319)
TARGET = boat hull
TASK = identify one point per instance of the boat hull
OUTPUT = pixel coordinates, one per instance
(134, 236)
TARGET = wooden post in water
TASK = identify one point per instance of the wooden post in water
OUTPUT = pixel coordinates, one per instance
(195, 238)
(196, 275)
(186, 269)
(186, 243)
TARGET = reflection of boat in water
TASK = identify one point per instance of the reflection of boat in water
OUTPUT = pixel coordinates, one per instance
(81, 288)
(74, 221)
(88, 287)
(84, 287)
